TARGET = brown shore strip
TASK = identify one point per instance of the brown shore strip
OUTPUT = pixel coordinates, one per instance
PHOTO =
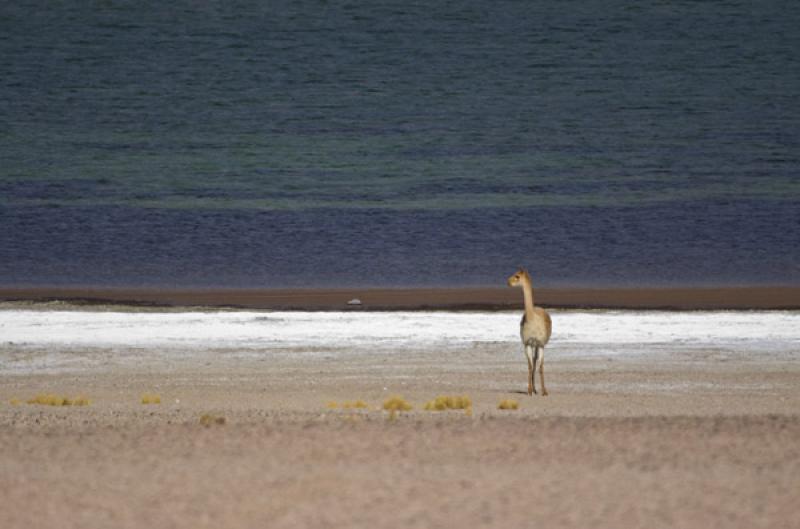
(679, 298)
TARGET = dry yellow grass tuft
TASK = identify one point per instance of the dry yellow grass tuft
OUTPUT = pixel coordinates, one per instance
(209, 419)
(48, 399)
(80, 401)
(348, 405)
(355, 404)
(43, 399)
(148, 398)
(446, 402)
(395, 404)
(508, 404)
(15, 401)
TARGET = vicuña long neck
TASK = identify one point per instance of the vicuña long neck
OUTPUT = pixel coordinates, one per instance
(527, 293)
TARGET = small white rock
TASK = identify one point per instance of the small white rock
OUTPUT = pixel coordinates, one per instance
(354, 301)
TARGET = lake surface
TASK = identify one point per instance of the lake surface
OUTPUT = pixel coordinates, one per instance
(318, 144)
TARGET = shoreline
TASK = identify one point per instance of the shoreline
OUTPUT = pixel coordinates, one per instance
(388, 299)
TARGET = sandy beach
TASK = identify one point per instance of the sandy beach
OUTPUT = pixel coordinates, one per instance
(698, 438)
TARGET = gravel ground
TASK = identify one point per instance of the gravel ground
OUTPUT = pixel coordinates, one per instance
(689, 443)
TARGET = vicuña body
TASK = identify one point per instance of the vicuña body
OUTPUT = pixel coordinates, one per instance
(535, 329)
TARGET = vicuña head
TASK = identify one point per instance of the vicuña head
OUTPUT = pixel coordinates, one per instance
(516, 279)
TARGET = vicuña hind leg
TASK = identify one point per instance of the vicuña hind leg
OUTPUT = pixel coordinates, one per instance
(537, 359)
(531, 369)
(540, 357)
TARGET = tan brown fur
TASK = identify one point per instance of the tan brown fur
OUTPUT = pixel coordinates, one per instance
(535, 329)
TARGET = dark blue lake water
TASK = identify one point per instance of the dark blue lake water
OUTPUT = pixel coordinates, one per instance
(300, 143)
